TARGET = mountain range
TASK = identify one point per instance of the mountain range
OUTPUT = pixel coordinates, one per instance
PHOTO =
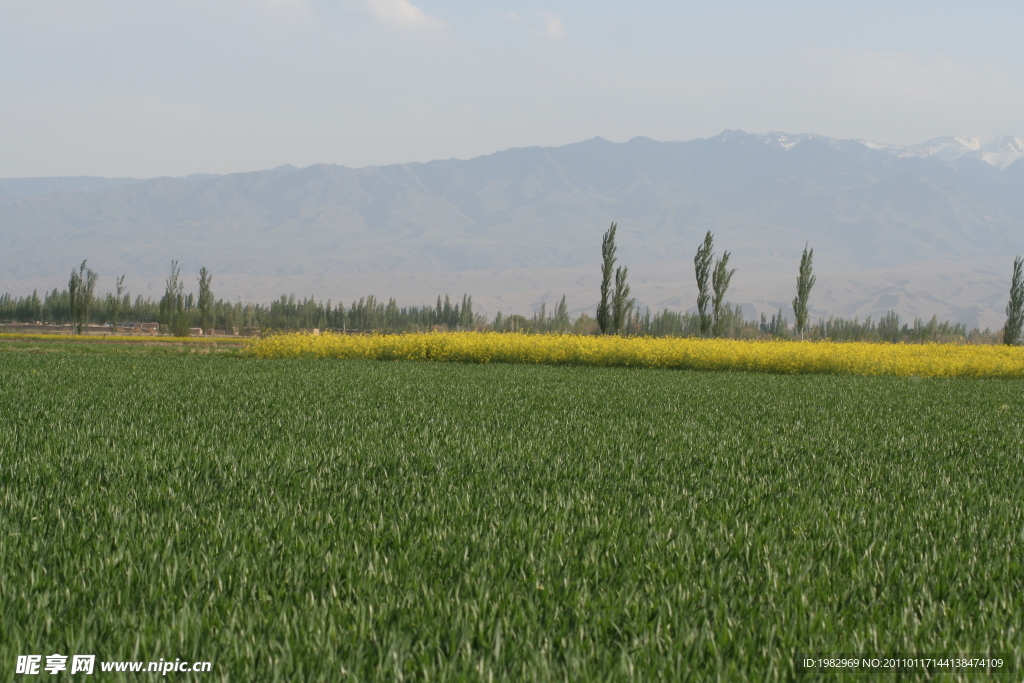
(928, 229)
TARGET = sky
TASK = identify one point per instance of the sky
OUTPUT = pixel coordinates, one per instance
(123, 88)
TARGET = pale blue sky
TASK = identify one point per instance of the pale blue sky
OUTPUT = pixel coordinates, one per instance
(140, 88)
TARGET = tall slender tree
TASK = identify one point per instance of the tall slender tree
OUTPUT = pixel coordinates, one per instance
(622, 304)
(604, 312)
(804, 281)
(74, 292)
(81, 287)
(466, 316)
(702, 269)
(88, 290)
(450, 314)
(205, 302)
(172, 305)
(114, 304)
(561, 319)
(1015, 308)
(720, 279)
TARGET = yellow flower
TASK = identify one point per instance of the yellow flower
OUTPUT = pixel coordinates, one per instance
(855, 358)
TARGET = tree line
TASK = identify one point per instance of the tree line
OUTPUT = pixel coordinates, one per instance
(178, 312)
(716, 318)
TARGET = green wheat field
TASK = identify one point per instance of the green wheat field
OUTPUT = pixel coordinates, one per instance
(356, 520)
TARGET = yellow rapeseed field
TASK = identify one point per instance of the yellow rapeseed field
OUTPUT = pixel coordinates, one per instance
(922, 360)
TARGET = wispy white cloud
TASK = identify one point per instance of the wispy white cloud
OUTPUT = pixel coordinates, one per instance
(401, 14)
(551, 25)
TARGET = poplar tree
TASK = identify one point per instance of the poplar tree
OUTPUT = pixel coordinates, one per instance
(604, 313)
(720, 279)
(449, 314)
(622, 304)
(74, 286)
(88, 287)
(702, 268)
(1015, 308)
(804, 282)
(205, 299)
(80, 292)
(561, 319)
(114, 304)
(172, 305)
(466, 316)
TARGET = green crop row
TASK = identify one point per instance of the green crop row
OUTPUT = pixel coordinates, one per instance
(353, 520)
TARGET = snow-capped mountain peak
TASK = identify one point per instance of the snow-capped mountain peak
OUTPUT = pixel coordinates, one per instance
(779, 140)
(996, 150)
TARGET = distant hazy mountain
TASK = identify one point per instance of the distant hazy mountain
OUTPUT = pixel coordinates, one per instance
(949, 208)
(31, 187)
